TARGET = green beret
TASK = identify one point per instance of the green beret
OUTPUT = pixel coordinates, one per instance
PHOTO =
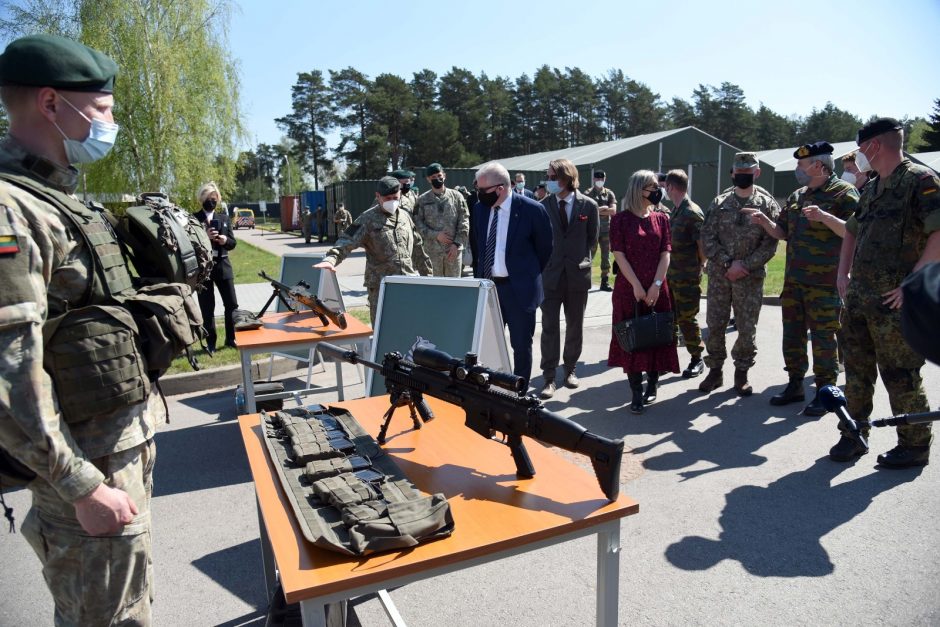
(745, 160)
(876, 128)
(813, 150)
(402, 174)
(434, 168)
(52, 61)
(387, 185)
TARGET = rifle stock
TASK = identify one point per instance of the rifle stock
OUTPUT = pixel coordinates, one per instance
(301, 293)
(490, 410)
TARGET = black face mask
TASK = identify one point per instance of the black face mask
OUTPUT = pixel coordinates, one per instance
(437, 183)
(209, 204)
(655, 196)
(488, 198)
(405, 187)
(743, 180)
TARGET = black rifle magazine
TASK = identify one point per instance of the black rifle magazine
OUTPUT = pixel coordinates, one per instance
(361, 510)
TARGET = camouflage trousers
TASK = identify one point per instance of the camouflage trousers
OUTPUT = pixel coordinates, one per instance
(603, 241)
(873, 344)
(104, 580)
(686, 300)
(816, 308)
(745, 296)
(441, 266)
(373, 303)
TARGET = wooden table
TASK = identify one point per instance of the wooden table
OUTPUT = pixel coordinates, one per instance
(289, 331)
(496, 515)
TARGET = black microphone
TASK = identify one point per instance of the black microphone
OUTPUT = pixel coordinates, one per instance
(833, 400)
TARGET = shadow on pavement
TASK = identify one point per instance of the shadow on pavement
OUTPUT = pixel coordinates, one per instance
(199, 458)
(227, 568)
(776, 531)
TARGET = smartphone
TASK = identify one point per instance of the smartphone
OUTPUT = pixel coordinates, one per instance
(214, 224)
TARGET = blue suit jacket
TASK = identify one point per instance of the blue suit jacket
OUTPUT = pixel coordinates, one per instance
(528, 246)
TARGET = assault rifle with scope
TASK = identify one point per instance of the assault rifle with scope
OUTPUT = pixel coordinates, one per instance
(493, 403)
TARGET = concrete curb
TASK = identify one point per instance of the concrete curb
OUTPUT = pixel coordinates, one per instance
(226, 376)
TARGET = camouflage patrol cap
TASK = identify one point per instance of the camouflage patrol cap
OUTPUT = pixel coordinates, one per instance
(600, 174)
(876, 128)
(745, 160)
(813, 150)
(52, 61)
(402, 174)
(434, 168)
(387, 185)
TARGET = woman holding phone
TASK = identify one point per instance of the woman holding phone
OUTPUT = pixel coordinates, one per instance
(219, 229)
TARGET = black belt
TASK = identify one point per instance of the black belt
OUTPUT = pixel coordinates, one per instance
(499, 279)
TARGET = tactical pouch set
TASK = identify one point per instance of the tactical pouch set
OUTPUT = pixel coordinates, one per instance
(347, 495)
(652, 330)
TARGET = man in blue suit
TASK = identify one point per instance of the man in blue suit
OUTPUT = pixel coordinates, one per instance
(514, 243)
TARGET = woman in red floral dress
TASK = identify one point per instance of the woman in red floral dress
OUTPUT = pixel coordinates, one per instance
(640, 240)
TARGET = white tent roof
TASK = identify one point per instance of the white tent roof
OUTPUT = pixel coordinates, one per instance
(782, 159)
(929, 159)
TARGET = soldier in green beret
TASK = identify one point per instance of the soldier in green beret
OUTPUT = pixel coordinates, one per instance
(390, 239)
(409, 195)
(93, 463)
(894, 232)
(812, 222)
(443, 220)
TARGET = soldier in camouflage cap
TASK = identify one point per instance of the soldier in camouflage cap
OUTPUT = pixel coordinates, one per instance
(737, 251)
(409, 195)
(812, 223)
(94, 474)
(894, 232)
(443, 220)
(607, 207)
(390, 239)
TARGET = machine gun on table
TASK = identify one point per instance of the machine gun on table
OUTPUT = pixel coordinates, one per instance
(489, 409)
(300, 293)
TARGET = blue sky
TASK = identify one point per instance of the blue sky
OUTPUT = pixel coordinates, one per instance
(867, 57)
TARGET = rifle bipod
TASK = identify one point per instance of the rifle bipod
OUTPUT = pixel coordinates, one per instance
(415, 403)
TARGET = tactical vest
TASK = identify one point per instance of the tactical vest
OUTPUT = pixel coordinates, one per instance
(104, 353)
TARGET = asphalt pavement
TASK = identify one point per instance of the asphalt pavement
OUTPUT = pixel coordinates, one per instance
(743, 518)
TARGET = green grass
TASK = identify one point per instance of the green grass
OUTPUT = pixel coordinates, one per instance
(248, 260)
(773, 284)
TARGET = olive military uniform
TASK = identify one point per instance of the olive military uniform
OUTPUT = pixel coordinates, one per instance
(604, 199)
(895, 216)
(810, 299)
(685, 272)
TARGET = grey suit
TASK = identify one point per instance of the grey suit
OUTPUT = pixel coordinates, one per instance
(567, 279)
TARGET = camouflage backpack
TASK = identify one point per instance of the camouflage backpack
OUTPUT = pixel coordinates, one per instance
(165, 242)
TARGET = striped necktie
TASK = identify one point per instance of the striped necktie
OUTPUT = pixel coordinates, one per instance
(490, 255)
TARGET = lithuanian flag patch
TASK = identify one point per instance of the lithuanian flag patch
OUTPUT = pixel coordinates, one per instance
(9, 245)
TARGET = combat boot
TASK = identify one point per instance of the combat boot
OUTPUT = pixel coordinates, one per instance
(791, 394)
(847, 449)
(815, 407)
(636, 386)
(712, 381)
(741, 386)
(605, 286)
(696, 367)
(902, 456)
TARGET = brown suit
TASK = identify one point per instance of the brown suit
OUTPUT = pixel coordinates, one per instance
(567, 279)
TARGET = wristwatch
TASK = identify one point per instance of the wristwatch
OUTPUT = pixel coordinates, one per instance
(658, 283)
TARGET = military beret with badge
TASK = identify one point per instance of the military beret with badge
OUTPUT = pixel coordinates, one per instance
(432, 169)
(53, 61)
(813, 150)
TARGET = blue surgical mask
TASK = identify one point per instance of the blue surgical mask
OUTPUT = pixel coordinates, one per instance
(552, 187)
(802, 178)
(97, 145)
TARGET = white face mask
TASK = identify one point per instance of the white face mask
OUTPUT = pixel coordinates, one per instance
(97, 145)
(389, 206)
(848, 177)
(599, 184)
(862, 162)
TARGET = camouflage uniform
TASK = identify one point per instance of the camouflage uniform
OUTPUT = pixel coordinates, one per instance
(92, 580)
(604, 198)
(392, 245)
(810, 299)
(685, 272)
(409, 200)
(894, 218)
(342, 219)
(306, 224)
(729, 235)
(446, 212)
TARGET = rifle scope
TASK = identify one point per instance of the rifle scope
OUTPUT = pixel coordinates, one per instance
(468, 370)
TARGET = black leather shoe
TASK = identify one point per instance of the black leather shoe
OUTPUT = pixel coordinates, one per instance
(846, 449)
(905, 456)
(605, 287)
(636, 405)
(696, 367)
(793, 393)
(231, 344)
(815, 407)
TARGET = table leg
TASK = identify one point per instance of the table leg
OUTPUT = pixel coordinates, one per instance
(268, 566)
(390, 609)
(248, 384)
(608, 573)
(339, 380)
(315, 614)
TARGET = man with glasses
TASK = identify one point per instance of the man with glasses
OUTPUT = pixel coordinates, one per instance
(894, 232)
(513, 243)
(737, 251)
(443, 220)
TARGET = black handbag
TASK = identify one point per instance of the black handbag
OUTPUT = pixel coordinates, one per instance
(655, 329)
